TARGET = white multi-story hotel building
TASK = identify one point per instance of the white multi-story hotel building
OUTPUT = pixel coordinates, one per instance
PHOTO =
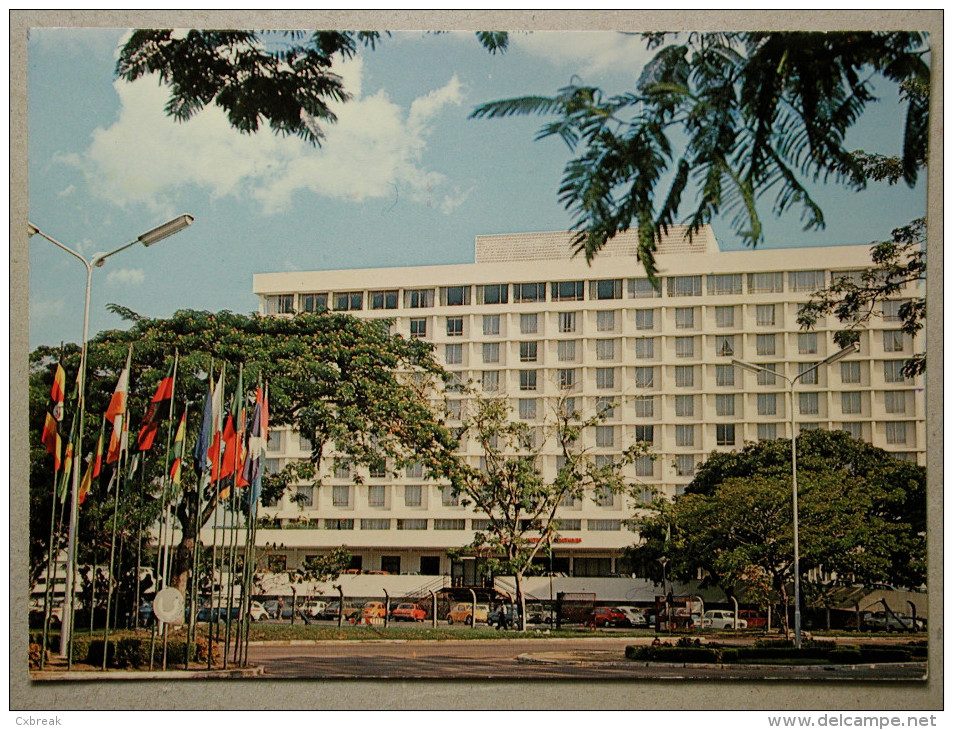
(529, 321)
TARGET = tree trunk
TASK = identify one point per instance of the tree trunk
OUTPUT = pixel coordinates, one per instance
(520, 601)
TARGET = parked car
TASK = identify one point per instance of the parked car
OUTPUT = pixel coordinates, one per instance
(372, 609)
(754, 619)
(883, 621)
(504, 617)
(606, 616)
(257, 611)
(462, 613)
(271, 607)
(538, 616)
(634, 616)
(408, 612)
(312, 608)
(722, 620)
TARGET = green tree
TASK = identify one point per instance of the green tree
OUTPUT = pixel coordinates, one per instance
(512, 489)
(898, 266)
(725, 119)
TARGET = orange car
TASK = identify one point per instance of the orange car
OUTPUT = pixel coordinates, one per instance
(463, 613)
(372, 609)
(408, 612)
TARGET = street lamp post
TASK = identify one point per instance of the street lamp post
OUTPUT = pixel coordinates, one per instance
(146, 239)
(849, 350)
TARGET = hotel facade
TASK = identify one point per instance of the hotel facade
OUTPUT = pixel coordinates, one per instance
(530, 322)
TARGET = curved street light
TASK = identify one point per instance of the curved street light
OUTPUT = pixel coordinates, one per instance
(840, 354)
(147, 239)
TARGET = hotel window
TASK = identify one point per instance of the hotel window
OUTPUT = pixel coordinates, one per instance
(314, 302)
(566, 350)
(274, 440)
(604, 497)
(567, 409)
(896, 432)
(764, 345)
(724, 375)
(527, 380)
(598, 526)
(684, 318)
(605, 289)
(492, 294)
(349, 301)
(453, 354)
(850, 402)
(850, 372)
(645, 434)
(767, 376)
(645, 377)
(528, 352)
(724, 316)
(854, 428)
(333, 523)
(724, 405)
(893, 371)
(855, 277)
(491, 381)
(454, 326)
(807, 343)
(449, 524)
(684, 376)
(375, 524)
(644, 466)
(725, 345)
(605, 349)
(645, 348)
(342, 469)
(415, 470)
(645, 406)
(893, 341)
(418, 328)
(284, 304)
(605, 378)
(767, 404)
(375, 495)
(807, 403)
(891, 310)
(725, 434)
(684, 286)
(454, 410)
(771, 282)
(567, 291)
(684, 347)
(685, 406)
(411, 524)
(765, 315)
(605, 406)
(685, 465)
(529, 292)
(767, 431)
(454, 296)
(805, 280)
(720, 284)
(341, 495)
(895, 401)
(418, 298)
(684, 435)
(808, 372)
(304, 496)
(304, 443)
(642, 289)
(413, 495)
(566, 378)
(605, 436)
(569, 525)
(567, 321)
(491, 352)
(529, 323)
(448, 497)
(605, 321)
(378, 470)
(491, 324)
(644, 319)
(384, 299)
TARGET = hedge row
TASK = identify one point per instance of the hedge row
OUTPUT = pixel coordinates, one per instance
(131, 651)
(754, 654)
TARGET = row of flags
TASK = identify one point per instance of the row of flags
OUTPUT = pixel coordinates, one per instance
(224, 447)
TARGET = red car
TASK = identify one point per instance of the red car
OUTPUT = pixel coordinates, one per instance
(606, 617)
(408, 612)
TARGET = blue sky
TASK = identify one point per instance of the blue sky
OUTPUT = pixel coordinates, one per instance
(403, 179)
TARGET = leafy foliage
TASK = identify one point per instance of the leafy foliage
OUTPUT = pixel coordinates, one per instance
(898, 265)
(754, 114)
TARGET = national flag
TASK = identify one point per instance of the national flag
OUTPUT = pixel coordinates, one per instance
(232, 431)
(94, 466)
(200, 453)
(215, 448)
(116, 413)
(178, 448)
(54, 416)
(64, 483)
(157, 410)
(251, 474)
(98, 461)
(87, 480)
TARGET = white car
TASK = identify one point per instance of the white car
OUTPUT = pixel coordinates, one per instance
(636, 617)
(312, 608)
(722, 620)
(257, 611)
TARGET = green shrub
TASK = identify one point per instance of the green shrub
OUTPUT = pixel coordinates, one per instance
(844, 655)
(687, 654)
(881, 654)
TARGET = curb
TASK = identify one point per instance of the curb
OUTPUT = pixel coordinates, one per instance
(87, 676)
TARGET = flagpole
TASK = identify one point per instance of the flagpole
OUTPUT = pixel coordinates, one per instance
(51, 570)
(235, 419)
(172, 496)
(97, 455)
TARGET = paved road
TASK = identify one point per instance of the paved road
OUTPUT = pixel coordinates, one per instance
(572, 658)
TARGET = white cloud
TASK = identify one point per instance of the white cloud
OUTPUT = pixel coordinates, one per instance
(375, 147)
(586, 52)
(68, 190)
(42, 310)
(126, 276)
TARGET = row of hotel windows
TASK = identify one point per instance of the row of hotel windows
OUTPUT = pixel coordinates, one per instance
(559, 291)
(645, 348)
(565, 525)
